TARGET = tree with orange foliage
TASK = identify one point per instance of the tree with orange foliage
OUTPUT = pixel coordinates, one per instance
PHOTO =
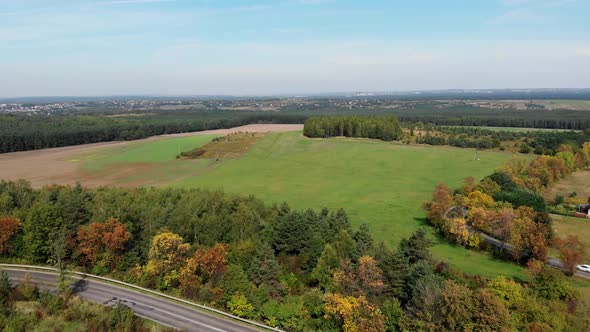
(481, 218)
(571, 252)
(209, 262)
(503, 222)
(356, 313)
(547, 169)
(206, 264)
(8, 228)
(442, 201)
(370, 275)
(345, 278)
(102, 242)
(580, 160)
(528, 238)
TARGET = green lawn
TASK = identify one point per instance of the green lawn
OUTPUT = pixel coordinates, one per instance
(378, 183)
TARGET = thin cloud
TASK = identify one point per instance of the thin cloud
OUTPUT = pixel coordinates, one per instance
(558, 3)
(510, 3)
(313, 2)
(518, 16)
(527, 11)
(129, 2)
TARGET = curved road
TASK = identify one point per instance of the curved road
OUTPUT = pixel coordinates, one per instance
(163, 311)
(556, 263)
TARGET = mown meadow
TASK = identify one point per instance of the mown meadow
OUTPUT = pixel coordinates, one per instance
(382, 184)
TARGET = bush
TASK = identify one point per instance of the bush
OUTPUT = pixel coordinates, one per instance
(525, 148)
(521, 197)
(559, 199)
(53, 303)
(121, 318)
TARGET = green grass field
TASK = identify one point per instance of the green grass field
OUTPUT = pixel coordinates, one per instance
(379, 183)
(164, 150)
(564, 226)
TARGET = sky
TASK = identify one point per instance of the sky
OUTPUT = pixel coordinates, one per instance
(262, 47)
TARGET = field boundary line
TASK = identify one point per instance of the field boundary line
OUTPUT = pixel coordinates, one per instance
(150, 291)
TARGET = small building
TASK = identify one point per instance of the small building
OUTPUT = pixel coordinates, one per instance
(582, 211)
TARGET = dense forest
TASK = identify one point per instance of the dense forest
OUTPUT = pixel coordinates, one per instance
(459, 115)
(296, 270)
(21, 133)
(463, 116)
(386, 128)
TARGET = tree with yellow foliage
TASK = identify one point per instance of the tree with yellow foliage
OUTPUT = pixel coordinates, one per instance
(167, 254)
(355, 313)
(479, 199)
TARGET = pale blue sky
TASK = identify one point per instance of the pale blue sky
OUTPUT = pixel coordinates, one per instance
(105, 47)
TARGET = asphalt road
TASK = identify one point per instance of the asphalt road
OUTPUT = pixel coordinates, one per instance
(556, 263)
(163, 311)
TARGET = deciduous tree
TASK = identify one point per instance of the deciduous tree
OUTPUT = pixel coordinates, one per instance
(454, 306)
(370, 275)
(8, 228)
(442, 201)
(167, 253)
(102, 242)
(571, 252)
(356, 314)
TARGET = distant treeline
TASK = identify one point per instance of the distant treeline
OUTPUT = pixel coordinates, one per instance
(460, 115)
(22, 133)
(539, 142)
(386, 128)
(482, 117)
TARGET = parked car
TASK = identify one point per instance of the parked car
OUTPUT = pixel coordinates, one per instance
(583, 268)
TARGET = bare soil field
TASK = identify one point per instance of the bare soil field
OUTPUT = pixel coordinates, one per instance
(62, 165)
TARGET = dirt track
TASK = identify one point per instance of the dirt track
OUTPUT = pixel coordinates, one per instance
(58, 165)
